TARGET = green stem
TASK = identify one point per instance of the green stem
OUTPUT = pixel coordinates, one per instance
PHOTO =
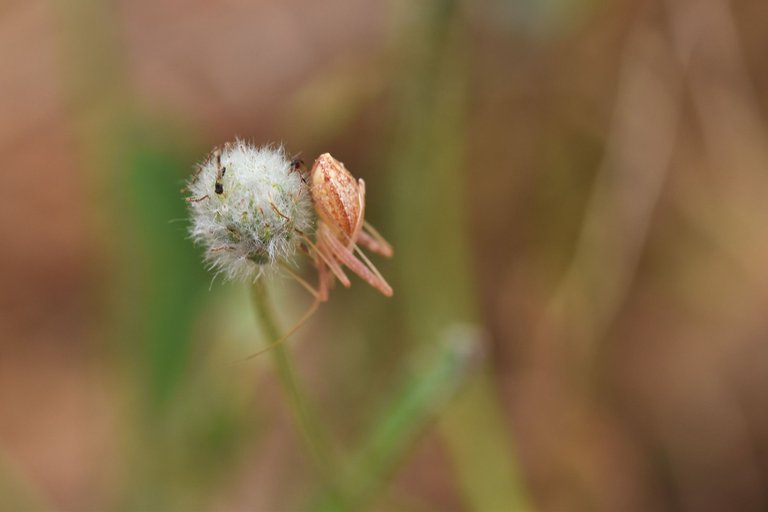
(311, 433)
(439, 378)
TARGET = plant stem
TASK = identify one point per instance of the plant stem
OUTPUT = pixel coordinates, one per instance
(409, 413)
(434, 111)
(315, 443)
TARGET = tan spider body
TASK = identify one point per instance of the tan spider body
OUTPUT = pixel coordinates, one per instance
(339, 201)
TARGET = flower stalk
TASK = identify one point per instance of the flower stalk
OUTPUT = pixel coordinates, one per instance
(309, 428)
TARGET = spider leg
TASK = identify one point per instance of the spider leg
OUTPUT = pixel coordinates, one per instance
(302, 321)
(323, 254)
(368, 263)
(324, 279)
(330, 259)
(372, 240)
(346, 256)
(315, 292)
(361, 201)
(320, 295)
(364, 232)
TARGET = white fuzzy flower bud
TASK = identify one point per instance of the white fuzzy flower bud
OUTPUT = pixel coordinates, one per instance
(247, 204)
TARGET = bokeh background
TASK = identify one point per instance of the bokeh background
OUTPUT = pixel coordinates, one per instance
(576, 193)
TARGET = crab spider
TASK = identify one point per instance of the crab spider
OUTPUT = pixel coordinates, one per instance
(339, 201)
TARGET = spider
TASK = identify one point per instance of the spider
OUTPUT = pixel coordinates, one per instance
(339, 201)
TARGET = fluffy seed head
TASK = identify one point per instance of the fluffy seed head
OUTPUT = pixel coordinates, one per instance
(247, 205)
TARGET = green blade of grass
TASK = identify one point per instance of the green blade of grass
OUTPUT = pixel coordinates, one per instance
(430, 233)
(181, 427)
(408, 414)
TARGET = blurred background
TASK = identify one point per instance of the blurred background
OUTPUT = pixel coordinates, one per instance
(575, 190)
